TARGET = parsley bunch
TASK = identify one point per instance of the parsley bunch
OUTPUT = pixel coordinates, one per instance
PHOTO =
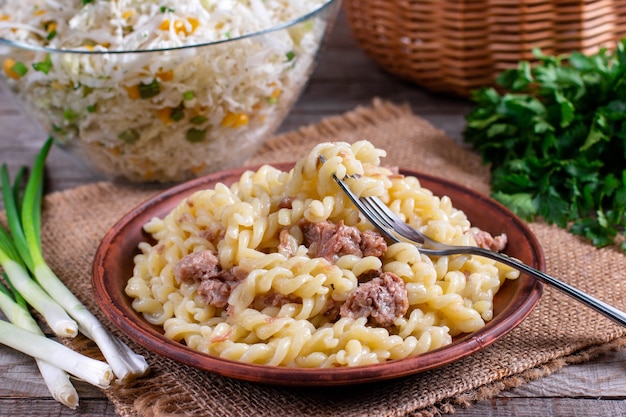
(554, 135)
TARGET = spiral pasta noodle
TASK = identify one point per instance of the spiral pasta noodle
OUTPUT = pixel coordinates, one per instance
(244, 272)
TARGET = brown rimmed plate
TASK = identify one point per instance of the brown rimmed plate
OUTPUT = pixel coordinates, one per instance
(113, 265)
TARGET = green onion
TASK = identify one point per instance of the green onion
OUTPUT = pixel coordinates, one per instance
(129, 136)
(196, 135)
(149, 90)
(290, 55)
(19, 68)
(178, 113)
(43, 66)
(51, 35)
(16, 267)
(92, 108)
(125, 363)
(188, 95)
(198, 120)
(56, 379)
(70, 115)
(93, 371)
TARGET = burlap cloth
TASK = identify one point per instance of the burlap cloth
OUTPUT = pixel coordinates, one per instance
(557, 332)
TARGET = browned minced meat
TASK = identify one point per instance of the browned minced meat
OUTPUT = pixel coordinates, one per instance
(274, 299)
(487, 241)
(285, 203)
(196, 267)
(216, 284)
(383, 300)
(327, 240)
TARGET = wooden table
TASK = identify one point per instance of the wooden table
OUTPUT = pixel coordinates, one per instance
(344, 79)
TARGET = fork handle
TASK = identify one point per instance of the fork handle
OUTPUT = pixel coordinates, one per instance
(598, 305)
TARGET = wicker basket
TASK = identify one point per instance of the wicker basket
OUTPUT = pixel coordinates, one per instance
(455, 46)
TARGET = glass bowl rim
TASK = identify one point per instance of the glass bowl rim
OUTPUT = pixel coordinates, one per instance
(284, 25)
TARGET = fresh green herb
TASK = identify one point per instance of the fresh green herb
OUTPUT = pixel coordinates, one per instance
(198, 120)
(51, 35)
(178, 113)
(290, 55)
(92, 108)
(188, 95)
(43, 66)
(555, 139)
(70, 115)
(149, 90)
(196, 135)
(20, 69)
(166, 9)
(129, 136)
(85, 2)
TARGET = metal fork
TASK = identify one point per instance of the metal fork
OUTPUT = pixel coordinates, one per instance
(396, 230)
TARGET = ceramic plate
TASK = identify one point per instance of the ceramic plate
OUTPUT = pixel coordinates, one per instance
(113, 266)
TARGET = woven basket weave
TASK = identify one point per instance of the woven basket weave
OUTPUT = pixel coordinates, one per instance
(455, 46)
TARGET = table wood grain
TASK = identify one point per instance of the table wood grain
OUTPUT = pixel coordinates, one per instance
(344, 79)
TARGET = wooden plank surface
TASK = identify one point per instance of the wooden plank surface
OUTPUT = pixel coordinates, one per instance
(344, 79)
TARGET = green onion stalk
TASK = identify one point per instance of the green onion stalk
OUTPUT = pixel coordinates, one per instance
(56, 379)
(26, 231)
(55, 316)
(90, 370)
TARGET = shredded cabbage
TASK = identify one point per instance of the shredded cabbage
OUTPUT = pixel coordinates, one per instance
(167, 114)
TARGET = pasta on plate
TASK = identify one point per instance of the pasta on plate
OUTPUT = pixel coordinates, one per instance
(281, 269)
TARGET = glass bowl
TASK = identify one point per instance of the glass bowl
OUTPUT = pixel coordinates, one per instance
(164, 114)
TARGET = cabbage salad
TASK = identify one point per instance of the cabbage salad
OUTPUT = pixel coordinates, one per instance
(174, 108)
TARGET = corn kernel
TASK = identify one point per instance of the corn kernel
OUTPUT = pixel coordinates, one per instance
(229, 120)
(5, 17)
(88, 47)
(50, 27)
(179, 26)
(165, 25)
(242, 120)
(199, 168)
(276, 93)
(164, 115)
(115, 151)
(127, 14)
(194, 24)
(39, 12)
(7, 65)
(133, 91)
(219, 25)
(166, 75)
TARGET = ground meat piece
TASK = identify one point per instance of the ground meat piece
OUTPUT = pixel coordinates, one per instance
(373, 244)
(216, 284)
(485, 240)
(274, 299)
(216, 290)
(383, 300)
(285, 203)
(327, 240)
(196, 267)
